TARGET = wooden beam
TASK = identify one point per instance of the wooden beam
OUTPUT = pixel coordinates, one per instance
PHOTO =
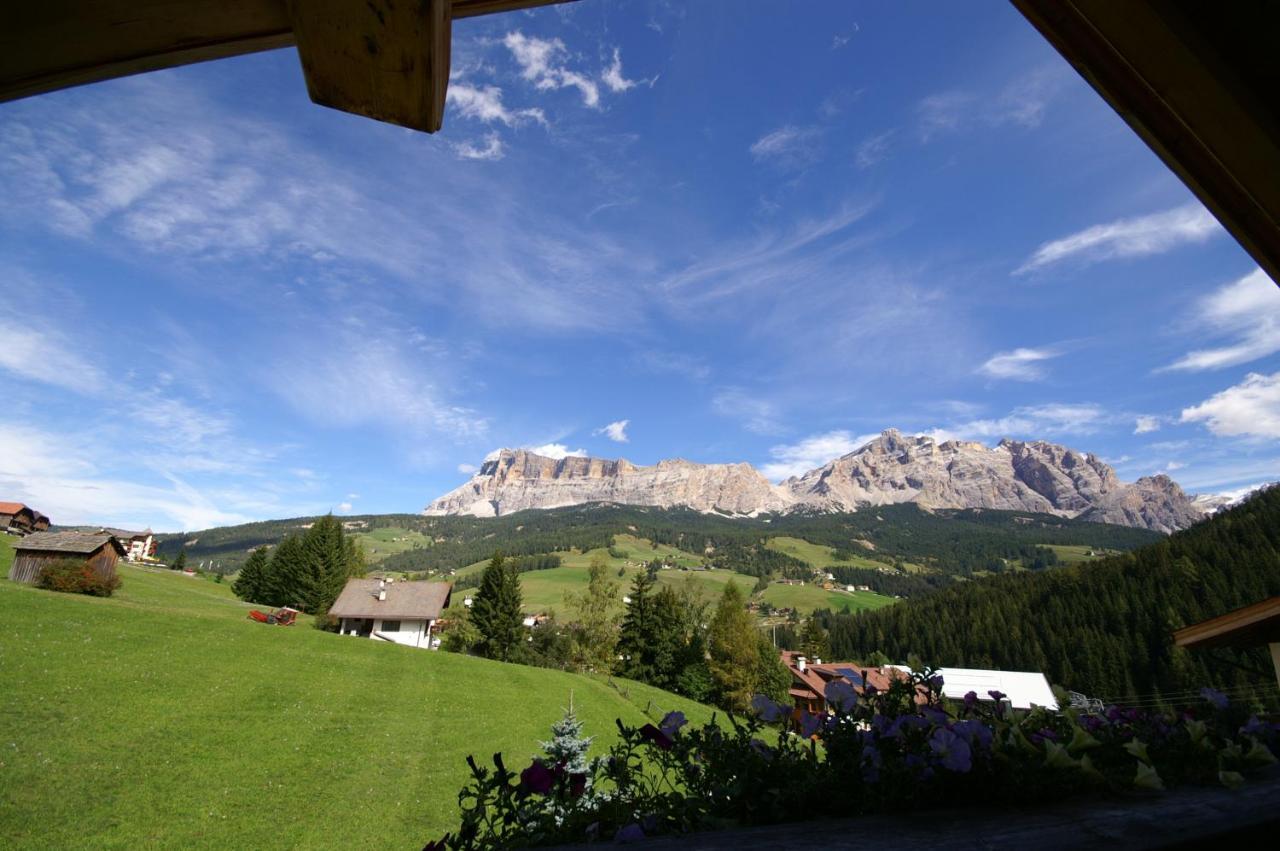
(472, 8)
(1196, 81)
(385, 59)
(1250, 626)
(52, 44)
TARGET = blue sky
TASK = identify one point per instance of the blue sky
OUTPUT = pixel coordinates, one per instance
(648, 230)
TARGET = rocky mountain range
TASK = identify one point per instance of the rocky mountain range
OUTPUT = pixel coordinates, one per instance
(893, 468)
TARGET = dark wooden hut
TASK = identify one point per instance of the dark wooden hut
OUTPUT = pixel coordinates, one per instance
(16, 517)
(32, 553)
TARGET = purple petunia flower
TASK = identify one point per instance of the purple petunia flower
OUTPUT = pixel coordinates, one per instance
(952, 750)
(1254, 727)
(977, 734)
(935, 682)
(630, 833)
(672, 722)
(765, 752)
(659, 738)
(810, 724)
(841, 695)
(871, 763)
(970, 699)
(1215, 697)
(537, 778)
(766, 709)
(935, 716)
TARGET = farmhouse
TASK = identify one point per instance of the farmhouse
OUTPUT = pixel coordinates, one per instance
(809, 679)
(399, 612)
(32, 553)
(19, 519)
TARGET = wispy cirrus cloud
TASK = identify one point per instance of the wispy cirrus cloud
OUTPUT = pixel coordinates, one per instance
(1019, 364)
(1139, 236)
(492, 149)
(543, 63)
(1036, 421)
(790, 146)
(754, 413)
(1146, 424)
(484, 103)
(1247, 311)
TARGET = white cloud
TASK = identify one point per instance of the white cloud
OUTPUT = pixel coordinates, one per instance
(873, 150)
(943, 112)
(556, 451)
(1249, 409)
(344, 508)
(1036, 421)
(39, 354)
(540, 62)
(755, 414)
(812, 452)
(1133, 237)
(1019, 364)
(1022, 102)
(485, 104)
(613, 78)
(467, 469)
(1146, 424)
(1249, 311)
(790, 146)
(617, 432)
(492, 149)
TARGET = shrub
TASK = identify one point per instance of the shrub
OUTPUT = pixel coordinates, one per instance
(883, 751)
(76, 577)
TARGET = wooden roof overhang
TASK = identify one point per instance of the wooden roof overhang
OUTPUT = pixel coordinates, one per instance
(1198, 82)
(1251, 626)
(377, 58)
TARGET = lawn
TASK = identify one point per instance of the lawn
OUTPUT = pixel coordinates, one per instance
(806, 598)
(550, 589)
(1075, 554)
(6, 553)
(164, 717)
(387, 541)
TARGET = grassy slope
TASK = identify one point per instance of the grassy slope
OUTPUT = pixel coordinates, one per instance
(388, 541)
(1068, 554)
(816, 555)
(806, 598)
(163, 716)
(6, 554)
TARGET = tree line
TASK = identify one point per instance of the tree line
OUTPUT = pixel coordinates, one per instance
(668, 637)
(1102, 628)
(306, 570)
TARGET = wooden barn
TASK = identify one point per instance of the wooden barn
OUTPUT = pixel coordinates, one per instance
(33, 552)
(17, 518)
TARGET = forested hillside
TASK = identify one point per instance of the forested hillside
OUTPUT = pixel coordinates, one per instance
(1102, 628)
(951, 542)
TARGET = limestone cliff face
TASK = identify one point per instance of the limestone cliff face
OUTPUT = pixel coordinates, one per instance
(1014, 476)
(514, 479)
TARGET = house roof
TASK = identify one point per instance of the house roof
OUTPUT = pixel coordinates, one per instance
(409, 600)
(815, 677)
(80, 543)
(1246, 627)
(13, 508)
(125, 534)
(1024, 689)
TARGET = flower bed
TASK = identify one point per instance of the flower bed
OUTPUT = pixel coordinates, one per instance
(897, 750)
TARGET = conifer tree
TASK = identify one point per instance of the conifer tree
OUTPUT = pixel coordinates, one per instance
(180, 563)
(251, 583)
(495, 611)
(735, 655)
(813, 640)
(636, 639)
(568, 745)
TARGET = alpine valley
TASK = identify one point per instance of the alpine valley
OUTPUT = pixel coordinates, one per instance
(1038, 477)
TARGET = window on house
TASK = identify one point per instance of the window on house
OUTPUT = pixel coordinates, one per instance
(390, 626)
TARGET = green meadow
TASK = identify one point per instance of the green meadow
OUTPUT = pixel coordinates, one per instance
(1068, 554)
(388, 541)
(164, 717)
(806, 598)
(817, 555)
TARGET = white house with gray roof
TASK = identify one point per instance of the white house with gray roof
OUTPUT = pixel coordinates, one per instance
(399, 612)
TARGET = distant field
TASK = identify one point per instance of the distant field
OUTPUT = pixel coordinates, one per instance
(163, 717)
(1075, 554)
(806, 598)
(381, 543)
(816, 555)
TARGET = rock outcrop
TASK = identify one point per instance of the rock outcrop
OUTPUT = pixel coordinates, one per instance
(894, 468)
(515, 479)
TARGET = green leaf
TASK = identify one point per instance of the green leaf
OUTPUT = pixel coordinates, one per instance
(1259, 754)
(1138, 749)
(1056, 756)
(1082, 740)
(1147, 778)
(1231, 779)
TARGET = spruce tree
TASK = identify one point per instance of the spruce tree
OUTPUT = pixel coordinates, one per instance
(568, 745)
(813, 640)
(495, 611)
(251, 583)
(180, 563)
(635, 640)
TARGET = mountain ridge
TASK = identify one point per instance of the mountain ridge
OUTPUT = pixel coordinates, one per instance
(1036, 476)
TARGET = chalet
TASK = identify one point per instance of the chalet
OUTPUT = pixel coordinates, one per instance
(32, 553)
(809, 679)
(399, 612)
(138, 546)
(41, 523)
(17, 519)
